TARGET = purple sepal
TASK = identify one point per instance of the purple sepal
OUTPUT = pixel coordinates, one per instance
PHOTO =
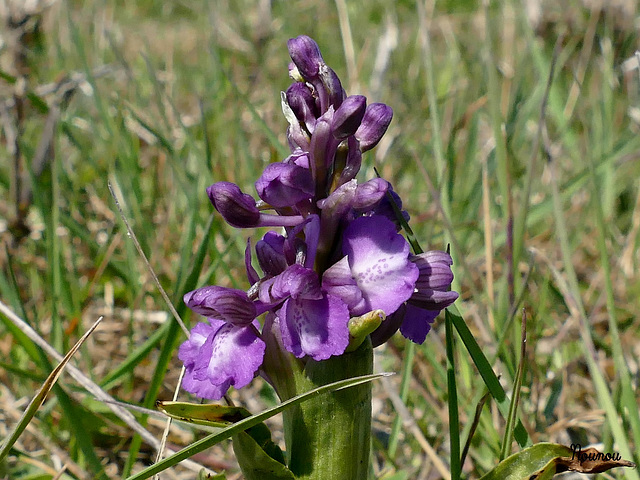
(299, 158)
(284, 184)
(270, 254)
(433, 299)
(211, 354)
(222, 303)
(317, 328)
(369, 194)
(238, 209)
(378, 259)
(374, 125)
(348, 117)
(433, 287)
(305, 53)
(386, 209)
(417, 323)
(297, 281)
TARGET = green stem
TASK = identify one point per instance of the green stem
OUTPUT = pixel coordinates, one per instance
(328, 437)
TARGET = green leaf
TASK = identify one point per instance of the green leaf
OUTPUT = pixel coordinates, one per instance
(235, 428)
(258, 456)
(543, 460)
(212, 415)
(258, 463)
(487, 373)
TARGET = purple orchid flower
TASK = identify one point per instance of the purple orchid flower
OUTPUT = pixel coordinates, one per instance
(375, 272)
(340, 254)
(219, 355)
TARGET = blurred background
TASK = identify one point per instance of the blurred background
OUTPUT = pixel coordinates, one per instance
(514, 140)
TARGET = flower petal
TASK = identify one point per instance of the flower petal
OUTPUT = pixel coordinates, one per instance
(378, 257)
(417, 323)
(284, 184)
(337, 280)
(230, 356)
(318, 328)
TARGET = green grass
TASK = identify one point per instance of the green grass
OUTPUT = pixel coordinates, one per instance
(514, 142)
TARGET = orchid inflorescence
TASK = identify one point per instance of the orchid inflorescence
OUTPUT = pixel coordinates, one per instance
(338, 257)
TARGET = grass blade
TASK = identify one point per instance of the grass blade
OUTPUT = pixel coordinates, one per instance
(454, 424)
(40, 397)
(487, 373)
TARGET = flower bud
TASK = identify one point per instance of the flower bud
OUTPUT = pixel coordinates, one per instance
(270, 253)
(238, 209)
(348, 117)
(305, 53)
(374, 125)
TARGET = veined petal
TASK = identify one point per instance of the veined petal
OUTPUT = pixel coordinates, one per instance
(228, 304)
(189, 350)
(229, 356)
(378, 258)
(433, 299)
(318, 328)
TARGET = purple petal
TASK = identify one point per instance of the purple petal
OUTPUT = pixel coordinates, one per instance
(318, 328)
(378, 257)
(228, 304)
(417, 323)
(238, 209)
(301, 249)
(284, 185)
(338, 280)
(188, 351)
(230, 356)
(385, 208)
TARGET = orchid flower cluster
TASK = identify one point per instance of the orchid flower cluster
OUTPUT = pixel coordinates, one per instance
(336, 257)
